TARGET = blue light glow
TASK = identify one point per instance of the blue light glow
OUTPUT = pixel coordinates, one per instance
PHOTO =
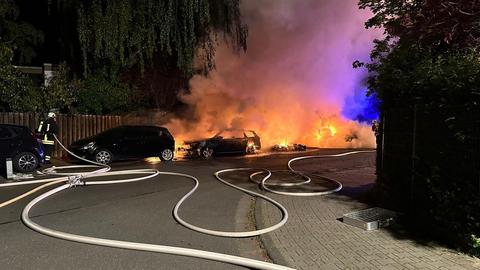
(361, 108)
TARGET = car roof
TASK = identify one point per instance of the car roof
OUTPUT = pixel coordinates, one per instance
(140, 126)
(236, 129)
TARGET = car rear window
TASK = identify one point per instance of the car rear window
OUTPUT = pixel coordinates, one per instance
(164, 131)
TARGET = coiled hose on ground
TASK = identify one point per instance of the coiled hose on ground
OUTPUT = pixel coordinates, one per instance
(70, 180)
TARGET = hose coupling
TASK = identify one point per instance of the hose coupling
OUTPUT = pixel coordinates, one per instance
(75, 180)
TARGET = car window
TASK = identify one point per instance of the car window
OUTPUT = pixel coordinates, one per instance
(231, 134)
(164, 131)
(113, 132)
(249, 134)
(5, 133)
(131, 133)
(151, 132)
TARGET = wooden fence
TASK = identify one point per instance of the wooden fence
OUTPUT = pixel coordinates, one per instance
(70, 127)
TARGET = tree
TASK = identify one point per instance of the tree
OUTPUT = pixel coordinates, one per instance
(426, 71)
(20, 36)
(16, 91)
(122, 33)
(151, 47)
(98, 94)
(417, 28)
(154, 46)
(428, 23)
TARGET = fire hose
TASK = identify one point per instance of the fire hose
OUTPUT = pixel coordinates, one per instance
(80, 179)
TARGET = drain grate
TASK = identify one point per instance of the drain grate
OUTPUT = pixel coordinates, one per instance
(371, 218)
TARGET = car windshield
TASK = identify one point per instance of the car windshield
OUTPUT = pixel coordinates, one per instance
(249, 134)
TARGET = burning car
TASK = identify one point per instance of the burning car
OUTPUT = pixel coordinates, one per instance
(296, 147)
(227, 141)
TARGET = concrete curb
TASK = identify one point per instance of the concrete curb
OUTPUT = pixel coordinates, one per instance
(266, 240)
(250, 247)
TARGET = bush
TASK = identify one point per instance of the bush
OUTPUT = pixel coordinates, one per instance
(100, 95)
(446, 90)
(61, 92)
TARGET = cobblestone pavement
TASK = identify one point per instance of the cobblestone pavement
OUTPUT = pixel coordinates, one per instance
(314, 238)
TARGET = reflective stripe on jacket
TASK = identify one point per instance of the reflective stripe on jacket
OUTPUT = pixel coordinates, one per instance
(40, 126)
(47, 141)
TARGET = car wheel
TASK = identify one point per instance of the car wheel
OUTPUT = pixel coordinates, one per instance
(25, 162)
(166, 155)
(104, 156)
(206, 153)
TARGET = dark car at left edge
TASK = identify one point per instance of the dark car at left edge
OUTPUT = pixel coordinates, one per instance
(126, 143)
(20, 144)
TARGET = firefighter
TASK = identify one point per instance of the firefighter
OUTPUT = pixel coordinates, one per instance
(47, 129)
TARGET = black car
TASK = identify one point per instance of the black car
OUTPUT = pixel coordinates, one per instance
(21, 145)
(126, 142)
(228, 141)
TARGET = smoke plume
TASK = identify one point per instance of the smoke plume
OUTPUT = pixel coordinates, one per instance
(291, 84)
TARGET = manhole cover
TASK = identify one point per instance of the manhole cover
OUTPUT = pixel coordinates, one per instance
(371, 218)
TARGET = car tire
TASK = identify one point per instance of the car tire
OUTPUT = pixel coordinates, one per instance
(166, 155)
(103, 156)
(25, 162)
(206, 153)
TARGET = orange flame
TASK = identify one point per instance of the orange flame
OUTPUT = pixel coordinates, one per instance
(333, 130)
(285, 97)
(283, 143)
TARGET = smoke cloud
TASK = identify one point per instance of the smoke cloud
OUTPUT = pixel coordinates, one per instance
(291, 84)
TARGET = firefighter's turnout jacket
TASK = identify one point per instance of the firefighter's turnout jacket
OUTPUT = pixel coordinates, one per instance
(47, 128)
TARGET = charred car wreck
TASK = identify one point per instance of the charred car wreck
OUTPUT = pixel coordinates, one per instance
(296, 147)
(225, 142)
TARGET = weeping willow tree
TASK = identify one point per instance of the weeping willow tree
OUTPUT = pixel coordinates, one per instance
(143, 51)
(122, 33)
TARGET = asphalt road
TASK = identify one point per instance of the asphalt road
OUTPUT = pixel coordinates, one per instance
(142, 212)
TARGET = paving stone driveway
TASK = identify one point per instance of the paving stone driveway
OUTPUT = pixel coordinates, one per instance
(313, 238)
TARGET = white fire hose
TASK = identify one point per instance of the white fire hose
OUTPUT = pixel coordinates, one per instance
(78, 178)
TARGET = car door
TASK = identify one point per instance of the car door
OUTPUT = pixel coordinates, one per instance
(150, 142)
(8, 144)
(239, 145)
(231, 142)
(113, 140)
(131, 143)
